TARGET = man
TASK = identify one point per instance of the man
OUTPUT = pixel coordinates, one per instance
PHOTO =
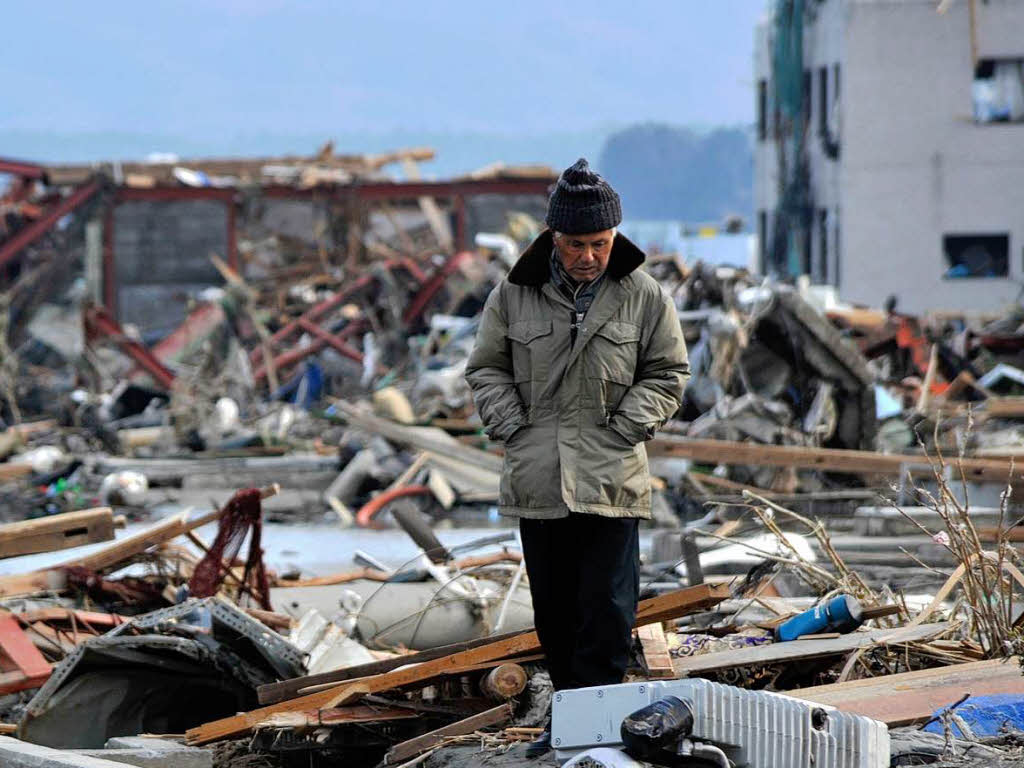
(578, 360)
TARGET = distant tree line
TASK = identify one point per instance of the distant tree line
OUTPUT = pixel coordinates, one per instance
(671, 172)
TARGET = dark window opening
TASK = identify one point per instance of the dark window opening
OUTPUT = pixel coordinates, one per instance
(821, 273)
(762, 110)
(838, 252)
(998, 91)
(828, 117)
(823, 104)
(976, 255)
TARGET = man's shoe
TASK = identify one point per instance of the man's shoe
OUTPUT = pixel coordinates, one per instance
(539, 746)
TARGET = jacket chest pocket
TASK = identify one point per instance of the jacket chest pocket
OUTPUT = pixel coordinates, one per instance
(613, 352)
(531, 349)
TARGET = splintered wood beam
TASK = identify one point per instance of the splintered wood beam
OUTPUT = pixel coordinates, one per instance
(241, 723)
(912, 697)
(359, 713)
(48, 534)
(670, 605)
(409, 749)
(657, 659)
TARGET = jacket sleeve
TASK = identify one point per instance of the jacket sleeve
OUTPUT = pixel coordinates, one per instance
(489, 372)
(662, 373)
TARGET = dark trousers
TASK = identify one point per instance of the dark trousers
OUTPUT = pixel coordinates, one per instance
(584, 579)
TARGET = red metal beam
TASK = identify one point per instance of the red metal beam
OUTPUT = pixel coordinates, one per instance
(312, 315)
(29, 234)
(330, 340)
(22, 168)
(432, 286)
(100, 324)
(293, 356)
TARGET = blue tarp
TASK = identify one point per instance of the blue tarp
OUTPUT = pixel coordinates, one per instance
(986, 715)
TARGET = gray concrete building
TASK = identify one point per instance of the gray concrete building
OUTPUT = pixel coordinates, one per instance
(890, 152)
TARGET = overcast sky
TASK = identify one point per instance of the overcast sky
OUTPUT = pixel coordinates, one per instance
(192, 67)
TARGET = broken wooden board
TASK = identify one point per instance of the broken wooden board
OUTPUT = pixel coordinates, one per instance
(48, 534)
(794, 650)
(9, 471)
(453, 664)
(657, 659)
(286, 689)
(672, 605)
(358, 713)
(22, 666)
(913, 697)
(979, 470)
(409, 749)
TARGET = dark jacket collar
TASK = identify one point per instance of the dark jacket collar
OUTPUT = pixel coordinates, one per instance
(533, 266)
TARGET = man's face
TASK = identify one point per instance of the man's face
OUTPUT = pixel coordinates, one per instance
(585, 257)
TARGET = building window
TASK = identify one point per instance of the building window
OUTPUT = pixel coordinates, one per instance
(821, 272)
(837, 250)
(762, 110)
(984, 255)
(998, 91)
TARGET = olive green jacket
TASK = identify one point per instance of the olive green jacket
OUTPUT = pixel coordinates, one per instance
(574, 418)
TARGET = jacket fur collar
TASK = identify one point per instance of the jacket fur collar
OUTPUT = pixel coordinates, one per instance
(533, 267)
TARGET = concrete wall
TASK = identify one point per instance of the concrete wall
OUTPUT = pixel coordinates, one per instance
(162, 256)
(915, 165)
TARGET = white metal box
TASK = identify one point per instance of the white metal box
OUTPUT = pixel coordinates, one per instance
(755, 729)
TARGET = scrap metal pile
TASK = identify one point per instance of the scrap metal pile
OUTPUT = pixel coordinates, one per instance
(835, 504)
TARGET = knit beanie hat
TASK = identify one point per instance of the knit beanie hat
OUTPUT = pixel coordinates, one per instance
(582, 202)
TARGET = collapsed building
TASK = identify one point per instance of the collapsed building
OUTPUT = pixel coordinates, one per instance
(833, 544)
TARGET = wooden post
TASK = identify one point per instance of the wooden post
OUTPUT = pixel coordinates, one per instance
(504, 682)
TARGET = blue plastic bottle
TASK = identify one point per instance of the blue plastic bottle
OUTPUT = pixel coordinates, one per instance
(840, 614)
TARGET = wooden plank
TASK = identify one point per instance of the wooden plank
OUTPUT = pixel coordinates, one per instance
(826, 459)
(804, 649)
(358, 713)
(9, 471)
(657, 659)
(286, 689)
(32, 583)
(483, 666)
(48, 534)
(912, 697)
(409, 749)
(672, 605)
(681, 602)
